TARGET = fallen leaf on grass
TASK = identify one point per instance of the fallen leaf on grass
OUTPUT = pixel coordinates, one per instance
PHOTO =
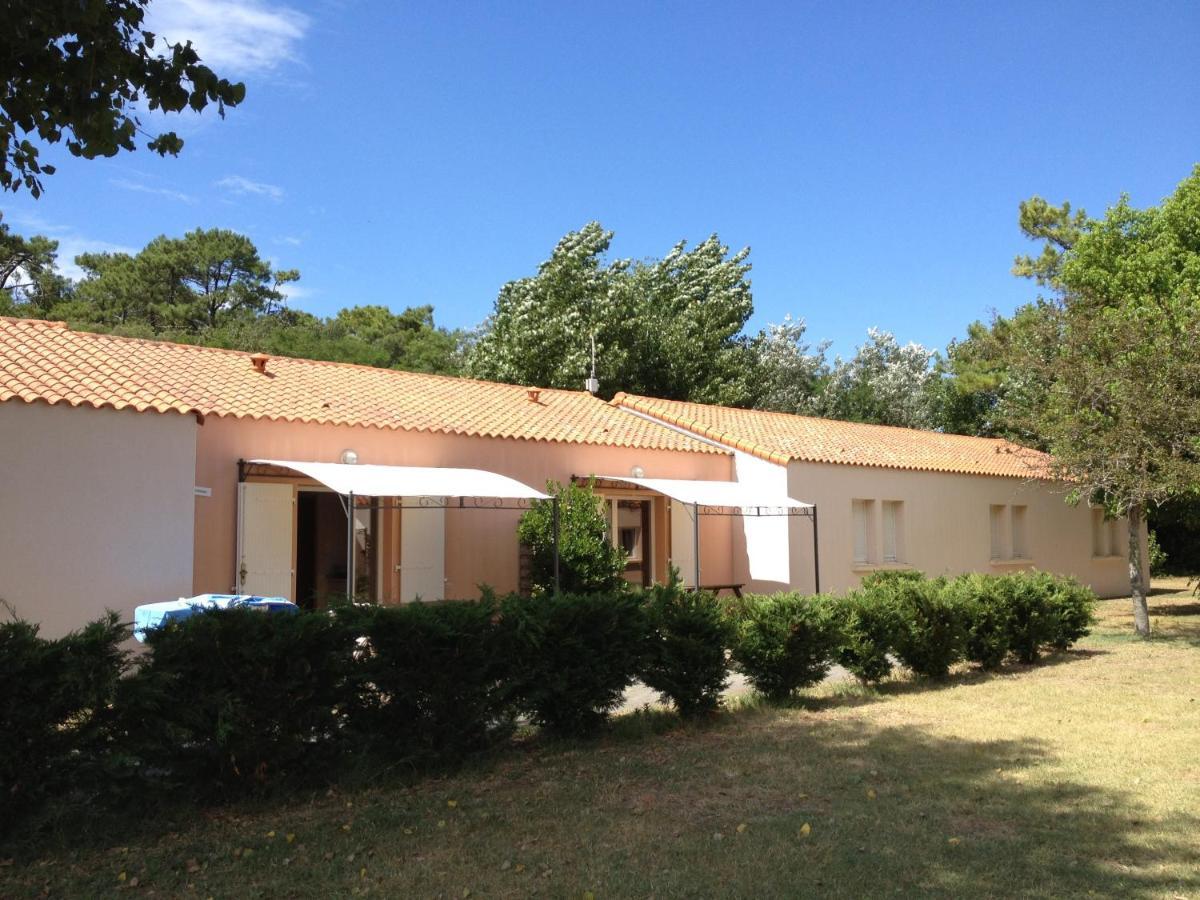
(871, 793)
(805, 830)
(954, 842)
(741, 829)
(452, 803)
(270, 834)
(291, 838)
(193, 865)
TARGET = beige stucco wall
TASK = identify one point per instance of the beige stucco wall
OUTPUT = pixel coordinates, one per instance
(96, 511)
(481, 546)
(946, 525)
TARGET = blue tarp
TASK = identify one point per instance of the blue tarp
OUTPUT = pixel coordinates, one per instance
(154, 615)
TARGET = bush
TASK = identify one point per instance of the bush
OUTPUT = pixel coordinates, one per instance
(1157, 556)
(52, 710)
(689, 634)
(587, 560)
(1074, 610)
(989, 630)
(932, 624)
(573, 655)
(785, 642)
(1032, 621)
(233, 699)
(867, 624)
(434, 676)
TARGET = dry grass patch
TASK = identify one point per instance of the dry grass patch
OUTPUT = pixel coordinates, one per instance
(1078, 776)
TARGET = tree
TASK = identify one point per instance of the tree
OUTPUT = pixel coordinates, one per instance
(195, 283)
(29, 280)
(670, 327)
(1121, 405)
(981, 381)
(588, 561)
(788, 373)
(884, 382)
(78, 71)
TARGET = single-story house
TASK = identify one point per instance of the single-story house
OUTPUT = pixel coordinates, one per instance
(898, 498)
(136, 471)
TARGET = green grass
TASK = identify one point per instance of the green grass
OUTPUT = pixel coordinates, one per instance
(1076, 777)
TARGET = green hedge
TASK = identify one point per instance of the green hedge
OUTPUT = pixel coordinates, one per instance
(573, 656)
(686, 659)
(785, 641)
(53, 707)
(231, 702)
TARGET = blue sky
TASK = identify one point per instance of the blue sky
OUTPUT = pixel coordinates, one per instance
(872, 155)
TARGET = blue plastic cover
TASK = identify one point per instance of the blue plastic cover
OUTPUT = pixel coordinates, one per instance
(155, 615)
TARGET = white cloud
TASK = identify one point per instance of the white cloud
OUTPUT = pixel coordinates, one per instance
(235, 37)
(127, 185)
(290, 239)
(240, 186)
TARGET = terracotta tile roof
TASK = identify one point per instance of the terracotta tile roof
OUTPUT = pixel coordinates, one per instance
(46, 361)
(780, 438)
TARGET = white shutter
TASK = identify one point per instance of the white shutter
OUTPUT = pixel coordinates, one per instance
(422, 552)
(997, 525)
(891, 528)
(861, 513)
(266, 528)
(1020, 537)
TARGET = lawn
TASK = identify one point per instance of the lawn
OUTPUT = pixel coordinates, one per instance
(1080, 776)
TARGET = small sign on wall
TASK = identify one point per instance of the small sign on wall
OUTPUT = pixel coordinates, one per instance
(202, 491)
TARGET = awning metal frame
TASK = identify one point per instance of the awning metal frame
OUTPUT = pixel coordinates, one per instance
(350, 505)
(806, 511)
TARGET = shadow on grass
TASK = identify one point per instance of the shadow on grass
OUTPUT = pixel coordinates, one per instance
(890, 810)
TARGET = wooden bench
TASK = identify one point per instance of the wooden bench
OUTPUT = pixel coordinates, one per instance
(717, 588)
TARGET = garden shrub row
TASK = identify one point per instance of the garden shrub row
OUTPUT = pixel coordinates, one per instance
(224, 703)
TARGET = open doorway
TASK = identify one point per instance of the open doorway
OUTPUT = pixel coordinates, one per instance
(631, 531)
(321, 550)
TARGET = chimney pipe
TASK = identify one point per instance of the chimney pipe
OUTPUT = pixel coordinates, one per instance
(259, 361)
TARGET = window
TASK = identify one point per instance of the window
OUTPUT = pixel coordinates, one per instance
(861, 513)
(1020, 541)
(893, 531)
(1106, 535)
(996, 514)
(631, 542)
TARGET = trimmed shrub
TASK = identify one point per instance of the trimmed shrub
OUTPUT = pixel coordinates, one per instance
(1032, 621)
(989, 631)
(588, 563)
(932, 624)
(573, 655)
(1073, 607)
(52, 706)
(689, 634)
(433, 677)
(785, 642)
(867, 624)
(232, 700)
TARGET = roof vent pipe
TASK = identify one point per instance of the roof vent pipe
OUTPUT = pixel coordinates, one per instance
(592, 384)
(259, 361)
(533, 394)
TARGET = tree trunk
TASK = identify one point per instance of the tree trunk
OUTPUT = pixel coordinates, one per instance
(1137, 577)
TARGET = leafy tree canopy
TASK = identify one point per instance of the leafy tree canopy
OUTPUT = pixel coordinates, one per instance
(213, 288)
(79, 71)
(1118, 398)
(669, 327)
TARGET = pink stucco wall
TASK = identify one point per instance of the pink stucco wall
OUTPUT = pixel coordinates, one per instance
(481, 546)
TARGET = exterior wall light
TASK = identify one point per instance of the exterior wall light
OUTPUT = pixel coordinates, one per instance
(349, 457)
(637, 472)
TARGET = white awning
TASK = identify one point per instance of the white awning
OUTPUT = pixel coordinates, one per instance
(408, 481)
(730, 494)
